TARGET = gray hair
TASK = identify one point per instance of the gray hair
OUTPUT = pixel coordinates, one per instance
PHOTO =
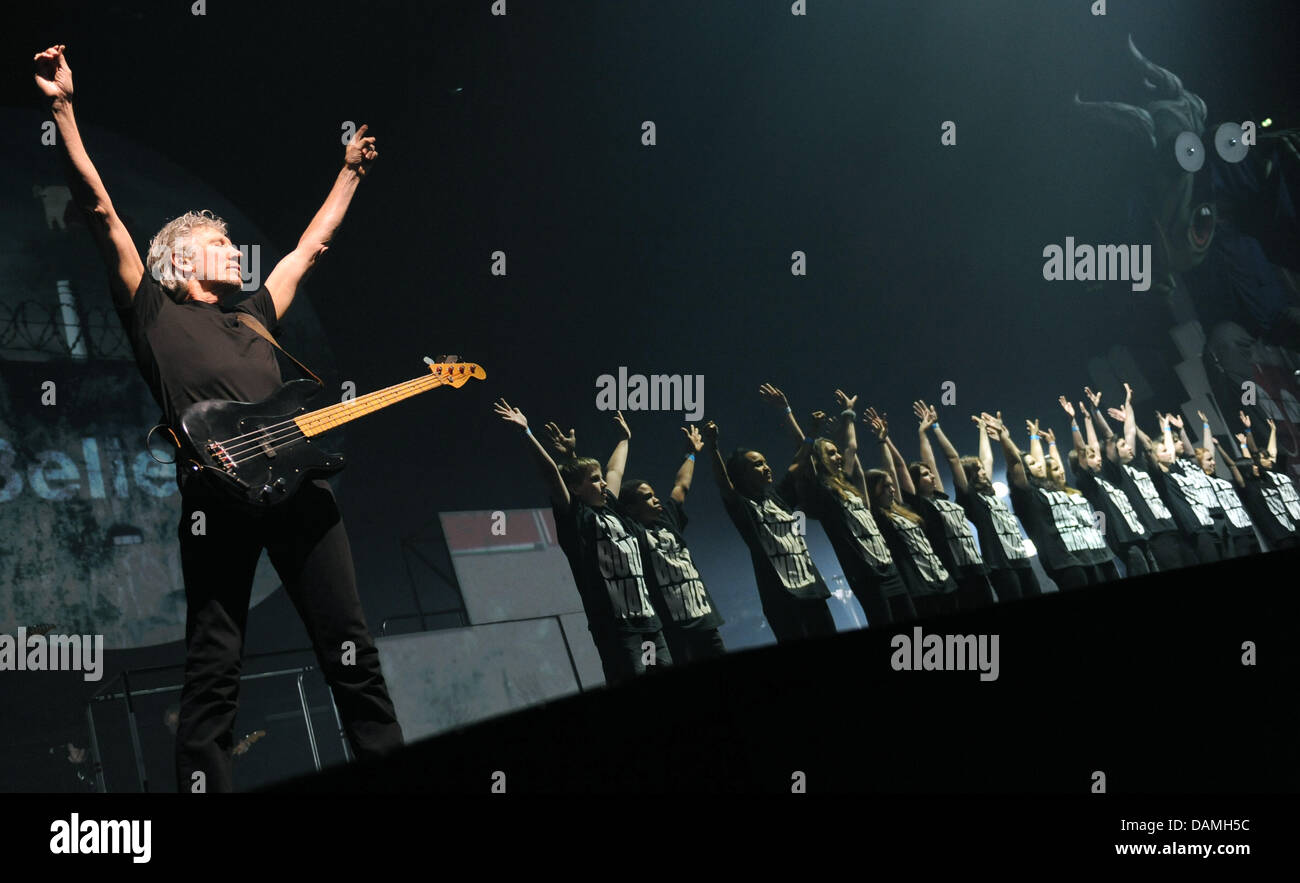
(176, 237)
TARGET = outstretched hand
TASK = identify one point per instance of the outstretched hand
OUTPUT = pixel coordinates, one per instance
(622, 425)
(844, 401)
(360, 152)
(694, 443)
(1245, 421)
(564, 445)
(1120, 414)
(926, 414)
(509, 414)
(1094, 397)
(1066, 406)
(878, 423)
(773, 396)
(53, 76)
(710, 434)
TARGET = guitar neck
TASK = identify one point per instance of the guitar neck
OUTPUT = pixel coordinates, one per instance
(325, 419)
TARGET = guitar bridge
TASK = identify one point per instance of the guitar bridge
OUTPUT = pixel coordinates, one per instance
(217, 451)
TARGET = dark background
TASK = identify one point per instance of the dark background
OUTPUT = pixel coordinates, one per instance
(775, 133)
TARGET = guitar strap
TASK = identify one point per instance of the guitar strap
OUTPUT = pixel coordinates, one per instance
(251, 322)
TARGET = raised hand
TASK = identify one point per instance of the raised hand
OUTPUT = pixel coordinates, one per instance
(1201, 414)
(710, 434)
(622, 425)
(1272, 427)
(773, 396)
(509, 414)
(564, 445)
(879, 425)
(817, 418)
(1049, 436)
(1120, 414)
(844, 401)
(53, 76)
(694, 443)
(360, 152)
(1083, 411)
(1094, 397)
(1128, 393)
(1241, 437)
(1066, 406)
(1245, 421)
(1164, 421)
(926, 414)
(1175, 420)
(1032, 426)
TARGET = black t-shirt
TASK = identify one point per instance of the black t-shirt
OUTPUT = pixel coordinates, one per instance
(922, 569)
(949, 534)
(1001, 544)
(1123, 524)
(604, 554)
(855, 536)
(1136, 482)
(1201, 485)
(676, 589)
(1286, 490)
(1061, 526)
(782, 562)
(1183, 498)
(1265, 503)
(1238, 519)
(191, 352)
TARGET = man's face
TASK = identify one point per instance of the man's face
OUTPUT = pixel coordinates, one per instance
(646, 507)
(216, 260)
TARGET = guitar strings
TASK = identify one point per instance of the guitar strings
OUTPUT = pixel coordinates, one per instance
(279, 435)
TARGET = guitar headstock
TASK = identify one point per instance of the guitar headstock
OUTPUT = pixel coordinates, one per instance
(455, 373)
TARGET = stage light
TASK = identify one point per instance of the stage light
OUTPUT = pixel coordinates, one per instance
(1268, 121)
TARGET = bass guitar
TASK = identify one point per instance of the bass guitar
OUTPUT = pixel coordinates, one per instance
(260, 453)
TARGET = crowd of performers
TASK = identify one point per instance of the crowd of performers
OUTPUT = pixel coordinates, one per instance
(905, 546)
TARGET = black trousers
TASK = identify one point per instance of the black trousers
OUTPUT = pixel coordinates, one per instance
(1078, 576)
(1172, 550)
(884, 601)
(974, 590)
(1239, 545)
(308, 546)
(692, 645)
(936, 604)
(1137, 557)
(622, 654)
(1014, 583)
(792, 619)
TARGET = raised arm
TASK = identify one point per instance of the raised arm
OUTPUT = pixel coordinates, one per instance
(880, 428)
(847, 432)
(1011, 453)
(928, 417)
(1089, 428)
(682, 483)
(985, 449)
(1076, 435)
(54, 80)
(545, 465)
(1189, 450)
(618, 460)
(293, 268)
(1035, 440)
(954, 459)
(774, 397)
(720, 477)
(1272, 439)
(1231, 461)
(1053, 452)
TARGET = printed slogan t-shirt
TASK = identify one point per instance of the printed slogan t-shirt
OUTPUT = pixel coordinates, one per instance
(684, 602)
(1001, 544)
(782, 563)
(856, 538)
(605, 556)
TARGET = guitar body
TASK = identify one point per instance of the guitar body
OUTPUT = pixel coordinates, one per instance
(260, 454)
(255, 451)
